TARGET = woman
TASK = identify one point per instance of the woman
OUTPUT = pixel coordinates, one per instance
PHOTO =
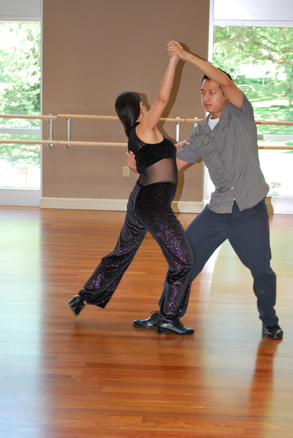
(148, 209)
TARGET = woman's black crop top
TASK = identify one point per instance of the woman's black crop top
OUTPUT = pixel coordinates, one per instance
(154, 162)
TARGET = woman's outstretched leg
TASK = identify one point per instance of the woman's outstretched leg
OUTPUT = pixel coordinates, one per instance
(103, 282)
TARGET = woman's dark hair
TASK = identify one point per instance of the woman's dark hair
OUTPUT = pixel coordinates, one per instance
(127, 107)
(206, 77)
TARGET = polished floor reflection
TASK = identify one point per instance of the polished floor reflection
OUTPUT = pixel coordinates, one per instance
(98, 376)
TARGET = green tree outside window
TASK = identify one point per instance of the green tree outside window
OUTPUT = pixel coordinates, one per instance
(260, 60)
(20, 79)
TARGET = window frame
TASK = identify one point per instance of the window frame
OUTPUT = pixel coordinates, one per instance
(276, 204)
(13, 10)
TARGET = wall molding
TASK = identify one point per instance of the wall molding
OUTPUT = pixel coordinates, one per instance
(21, 197)
(276, 205)
(188, 207)
(84, 204)
(111, 204)
(280, 204)
(32, 198)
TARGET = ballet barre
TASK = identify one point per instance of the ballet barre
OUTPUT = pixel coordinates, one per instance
(63, 143)
(175, 120)
(104, 143)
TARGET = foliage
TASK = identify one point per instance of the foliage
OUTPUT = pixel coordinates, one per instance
(238, 45)
(20, 73)
(18, 153)
(271, 94)
(20, 79)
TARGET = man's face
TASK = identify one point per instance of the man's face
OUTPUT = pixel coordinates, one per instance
(212, 97)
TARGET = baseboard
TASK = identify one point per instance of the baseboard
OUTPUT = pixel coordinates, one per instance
(84, 204)
(32, 198)
(280, 204)
(110, 204)
(20, 197)
(187, 207)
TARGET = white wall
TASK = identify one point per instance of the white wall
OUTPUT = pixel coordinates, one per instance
(254, 10)
(20, 10)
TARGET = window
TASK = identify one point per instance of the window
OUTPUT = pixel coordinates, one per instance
(20, 78)
(260, 60)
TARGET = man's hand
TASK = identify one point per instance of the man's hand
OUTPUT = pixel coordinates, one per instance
(130, 161)
(181, 143)
(175, 48)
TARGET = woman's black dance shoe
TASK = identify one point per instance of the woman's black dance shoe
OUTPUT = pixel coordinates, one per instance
(175, 327)
(76, 303)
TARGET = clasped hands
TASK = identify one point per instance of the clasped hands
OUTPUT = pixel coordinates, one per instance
(175, 48)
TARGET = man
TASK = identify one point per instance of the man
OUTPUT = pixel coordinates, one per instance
(227, 142)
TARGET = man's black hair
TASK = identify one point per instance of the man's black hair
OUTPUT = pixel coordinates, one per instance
(206, 77)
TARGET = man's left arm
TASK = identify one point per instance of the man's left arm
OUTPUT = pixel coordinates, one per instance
(231, 91)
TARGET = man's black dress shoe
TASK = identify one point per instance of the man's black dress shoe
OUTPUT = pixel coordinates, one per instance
(150, 322)
(273, 331)
(76, 303)
(175, 327)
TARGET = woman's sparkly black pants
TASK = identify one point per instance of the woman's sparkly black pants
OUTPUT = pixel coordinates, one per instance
(148, 209)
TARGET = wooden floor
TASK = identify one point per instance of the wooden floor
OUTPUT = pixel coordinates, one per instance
(98, 376)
